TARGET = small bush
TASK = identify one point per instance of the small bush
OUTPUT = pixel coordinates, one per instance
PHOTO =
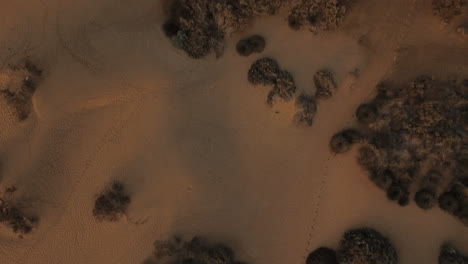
(322, 255)
(367, 113)
(426, 198)
(342, 141)
(324, 84)
(450, 255)
(368, 159)
(196, 250)
(284, 87)
(449, 202)
(294, 22)
(264, 71)
(366, 246)
(396, 192)
(257, 43)
(382, 178)
(244, 48)
(112, 203)
(308, 108)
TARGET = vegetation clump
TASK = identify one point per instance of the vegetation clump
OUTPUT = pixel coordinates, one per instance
(112, 203)
(342, 141)
(195, 250)
(324, 84)
(322, 255)
(366, 246)
(13, 217)
(367, 113)
(200, 27)
(450, 255)
(415, 138)
(307, 109)
(21, 88)
(447, 9)
(266, 71)
(252, 44)
(318, 15)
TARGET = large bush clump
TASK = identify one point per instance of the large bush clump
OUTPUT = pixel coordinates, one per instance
(405, 128)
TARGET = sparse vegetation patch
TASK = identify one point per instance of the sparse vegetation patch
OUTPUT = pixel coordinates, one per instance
(195, 250)
(20, 87)
(112, 203)
(12, 216)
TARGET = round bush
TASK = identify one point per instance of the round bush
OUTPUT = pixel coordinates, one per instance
(366, 246)
(244, 48)
(257, 43)
(382, 178)
(449, 202)
(367, 113)
(404, 200)
(264, 71)
(426, 198)
(342, 141)
(395, 192)
(322, 255)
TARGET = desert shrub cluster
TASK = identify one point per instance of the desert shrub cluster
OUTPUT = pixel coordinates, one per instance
(414, 137)
(19, 94)
(199, 27)
(267, 72)
(195, 250)
(358, 246)
(112, 203)
(13, 217)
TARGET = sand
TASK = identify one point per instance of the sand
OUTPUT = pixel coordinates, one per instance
(196, 145)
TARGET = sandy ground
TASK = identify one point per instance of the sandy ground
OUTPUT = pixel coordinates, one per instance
(195, 143)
